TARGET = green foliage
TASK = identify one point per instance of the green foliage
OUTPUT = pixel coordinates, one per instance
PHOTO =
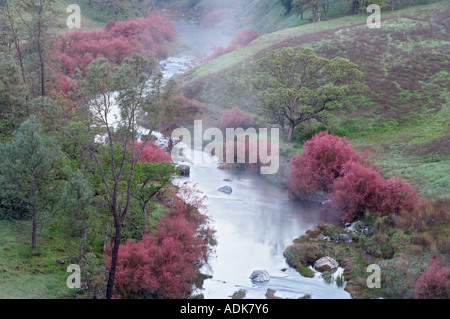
(73, 145)
(340, 281)
(13, 94)
(298, 86)
(328, 277)
(29, 168)
(5, 130)
(93, 279)
(305, 271)
(77, 211)
(26, 275)
(149, 179)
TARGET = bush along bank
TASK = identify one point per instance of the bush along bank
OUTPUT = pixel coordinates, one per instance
(386, 223)
(412, 251)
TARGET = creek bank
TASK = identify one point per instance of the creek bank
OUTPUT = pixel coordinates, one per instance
(324, 250)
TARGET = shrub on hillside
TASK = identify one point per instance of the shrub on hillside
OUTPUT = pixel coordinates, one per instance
(434, 283)
(115, 42)
(234, 118)
(362, 188)
(152, 153)
(251, 156)
(165, 263)
(244, 37)
(330, 164)
(240, 40)
(321, 164)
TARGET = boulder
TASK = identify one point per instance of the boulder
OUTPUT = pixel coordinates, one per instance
(325, 264)
(226, 189)
(259, 276)
(185, 170)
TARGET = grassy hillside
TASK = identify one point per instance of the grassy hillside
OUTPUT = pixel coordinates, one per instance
(404, 119)
(24, 274)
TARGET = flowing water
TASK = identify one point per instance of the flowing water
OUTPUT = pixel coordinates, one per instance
(257, 221)
(254, 225)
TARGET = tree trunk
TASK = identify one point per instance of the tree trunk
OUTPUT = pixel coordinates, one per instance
(114, 258)
(326, 7)
(42, 64)
(34, 227)
(355, 7)
(16, 40)
(393, 4)
(290, 132)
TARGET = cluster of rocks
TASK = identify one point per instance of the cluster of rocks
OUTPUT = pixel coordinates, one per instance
(358, 227)
(346, 238)
(352, 233)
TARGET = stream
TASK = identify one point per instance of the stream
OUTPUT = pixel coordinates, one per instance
(257, 221)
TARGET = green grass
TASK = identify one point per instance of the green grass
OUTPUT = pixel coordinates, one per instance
(20, 267)
(92, 17)
(305, 271)
(411, 151)
(263, 43)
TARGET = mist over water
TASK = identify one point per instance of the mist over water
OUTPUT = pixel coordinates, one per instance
(200, 40)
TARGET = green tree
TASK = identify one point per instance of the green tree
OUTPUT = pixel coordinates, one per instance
(299, 86)
(319, 8)
(300, 6)
(94, 276)
(150, 178)
(117, 99)
(145, 6)
(12, 31)
(77, 209)
(13, 94)
(29, 165)
(38, 20)
(360, 6)
(117, 6)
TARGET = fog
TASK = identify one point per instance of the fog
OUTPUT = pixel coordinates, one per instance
(199, 40)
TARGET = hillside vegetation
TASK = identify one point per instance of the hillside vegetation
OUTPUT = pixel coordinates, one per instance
(404, 117)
